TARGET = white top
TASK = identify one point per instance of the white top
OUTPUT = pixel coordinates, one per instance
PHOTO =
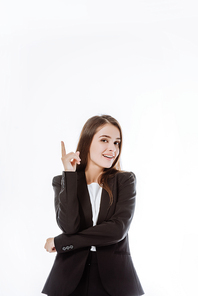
(95, 192)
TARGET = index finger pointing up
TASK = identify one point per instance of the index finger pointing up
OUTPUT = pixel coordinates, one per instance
(63, 151)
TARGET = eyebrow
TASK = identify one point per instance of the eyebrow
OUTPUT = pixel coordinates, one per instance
(106, 136)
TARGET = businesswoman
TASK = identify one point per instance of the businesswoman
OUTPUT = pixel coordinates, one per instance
(94, 203)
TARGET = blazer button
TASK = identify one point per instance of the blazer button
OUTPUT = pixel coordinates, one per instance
(67, 248)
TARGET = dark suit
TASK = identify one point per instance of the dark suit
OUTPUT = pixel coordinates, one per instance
(110, 235)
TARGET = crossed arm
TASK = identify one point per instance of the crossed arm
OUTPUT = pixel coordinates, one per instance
(108, 232)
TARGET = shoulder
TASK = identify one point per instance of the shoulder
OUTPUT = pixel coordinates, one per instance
(60, 179)
(125, 183)
(125, 177)
(56, 180)
(122, 175)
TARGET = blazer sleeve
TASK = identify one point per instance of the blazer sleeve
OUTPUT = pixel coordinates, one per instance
(108, 232)
(66, 202)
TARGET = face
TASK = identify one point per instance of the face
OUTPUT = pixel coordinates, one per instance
(104, 147)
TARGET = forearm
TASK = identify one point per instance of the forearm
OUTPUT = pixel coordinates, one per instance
(110, 231)
(101, 236)
(107, 233)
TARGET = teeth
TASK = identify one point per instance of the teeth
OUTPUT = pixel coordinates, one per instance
(108, 156)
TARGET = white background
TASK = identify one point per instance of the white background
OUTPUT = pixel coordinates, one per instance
(65, 61)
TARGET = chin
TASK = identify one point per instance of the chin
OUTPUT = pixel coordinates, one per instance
(107, 166)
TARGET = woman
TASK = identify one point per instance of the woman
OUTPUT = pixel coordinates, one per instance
(94, 203)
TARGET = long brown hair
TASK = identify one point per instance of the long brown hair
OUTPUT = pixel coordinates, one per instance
(88, 131)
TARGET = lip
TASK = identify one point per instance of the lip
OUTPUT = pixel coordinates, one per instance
(109, 156)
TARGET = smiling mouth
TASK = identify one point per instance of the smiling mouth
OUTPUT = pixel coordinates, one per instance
(109, 156)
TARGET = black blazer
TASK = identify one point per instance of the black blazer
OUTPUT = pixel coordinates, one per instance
(110, 235)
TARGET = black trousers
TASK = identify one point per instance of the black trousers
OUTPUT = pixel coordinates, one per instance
(90, 283)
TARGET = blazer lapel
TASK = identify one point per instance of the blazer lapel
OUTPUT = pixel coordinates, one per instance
(104, 206)
(84, 199)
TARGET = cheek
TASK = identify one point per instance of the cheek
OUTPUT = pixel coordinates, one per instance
(96, 150)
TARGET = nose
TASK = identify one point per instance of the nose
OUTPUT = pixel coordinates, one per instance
(112, 147)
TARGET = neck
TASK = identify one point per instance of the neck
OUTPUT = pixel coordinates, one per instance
(92, 174)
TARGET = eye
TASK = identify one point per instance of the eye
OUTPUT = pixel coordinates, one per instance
(117, 143)
(104, 140)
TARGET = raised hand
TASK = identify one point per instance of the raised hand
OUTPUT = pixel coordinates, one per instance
(69, 160)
